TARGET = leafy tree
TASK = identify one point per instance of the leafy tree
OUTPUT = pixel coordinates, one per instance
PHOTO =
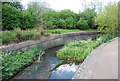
(66, 13)
(89, 15)
(107, 19)
(70, 23)
(14, 18)
(51, 19)
(28, 20)
(39, 8)
(61, 23)
(82, 24)
(10, 17)
(17, 5)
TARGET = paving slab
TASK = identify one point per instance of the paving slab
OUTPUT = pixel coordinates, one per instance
(102, 63)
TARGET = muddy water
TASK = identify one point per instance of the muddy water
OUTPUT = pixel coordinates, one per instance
(42, 70)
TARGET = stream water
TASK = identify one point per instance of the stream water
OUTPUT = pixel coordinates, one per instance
(42, 70)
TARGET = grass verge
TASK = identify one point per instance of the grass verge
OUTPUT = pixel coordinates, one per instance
(59, 31)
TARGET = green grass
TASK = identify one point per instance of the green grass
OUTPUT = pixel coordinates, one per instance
(58, 31)
(11, 63)
(78, 50)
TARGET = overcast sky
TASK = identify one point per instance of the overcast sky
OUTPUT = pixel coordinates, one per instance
(74, 5)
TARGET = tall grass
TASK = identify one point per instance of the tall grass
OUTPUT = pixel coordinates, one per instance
(18, 35)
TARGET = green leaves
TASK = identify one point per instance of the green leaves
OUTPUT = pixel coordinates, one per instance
(1, 67)
(82, 24)
(67, 19)
(79, 50)
(13, 18)
(10, 17)
(13, 62)
(18, 35)
(89, 16)
(107, 19)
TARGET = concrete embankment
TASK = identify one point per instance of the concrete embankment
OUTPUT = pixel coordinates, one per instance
(102, 63)
(50, 41)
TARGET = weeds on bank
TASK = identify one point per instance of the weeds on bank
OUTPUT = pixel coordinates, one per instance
(79, 50)
(12, 63)
(19, 35)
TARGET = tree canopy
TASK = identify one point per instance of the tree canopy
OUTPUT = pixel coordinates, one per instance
(39, 15)
(107, 19)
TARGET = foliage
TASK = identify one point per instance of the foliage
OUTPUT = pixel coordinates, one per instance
(107, 19)
(13, 18)
(89, 16)
(17, 5)
(67, 19)
(51, 19)
(39, 8)
(38, 15)
(18, 35)
(82, 24)
(28, 20)
(10, 17)
(66, 13)
(70, 23)
(12, 63)
(62, 23)
(79, 50)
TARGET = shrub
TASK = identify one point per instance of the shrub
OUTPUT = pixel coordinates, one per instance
(12, 63)
(76, 50)
(70, 23)
(28, 20)
(10, 17)
(13, 18)
(61, 23)
(107, 19)
(82, 24)
(79, 50)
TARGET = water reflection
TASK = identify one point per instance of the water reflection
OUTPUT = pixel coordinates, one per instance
(42, 70)
(65, 71)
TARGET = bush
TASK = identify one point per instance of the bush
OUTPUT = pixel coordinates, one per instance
(61, 23)
(79, 50)
(107, 19)
(70, 23)
(13, 18)
(82, 24)
(12, 63)
(76, 50)
(67, 19)
(28, 20)
(10, 17)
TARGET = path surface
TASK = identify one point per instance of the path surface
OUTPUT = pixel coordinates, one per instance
(102, 63)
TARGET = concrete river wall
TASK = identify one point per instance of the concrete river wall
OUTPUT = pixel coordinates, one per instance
(50, 41)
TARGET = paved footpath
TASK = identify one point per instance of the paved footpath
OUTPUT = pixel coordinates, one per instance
(102, 63)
